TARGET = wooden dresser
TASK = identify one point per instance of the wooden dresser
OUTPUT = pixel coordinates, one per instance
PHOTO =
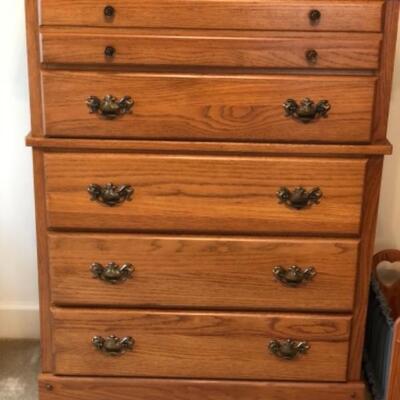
(207, 176)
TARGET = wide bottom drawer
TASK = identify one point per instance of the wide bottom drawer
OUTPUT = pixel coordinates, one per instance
(262, 346)
(56, 388)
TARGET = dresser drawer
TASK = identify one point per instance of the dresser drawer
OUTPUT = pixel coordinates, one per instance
(301, 15)
(307, 50)
(70, 388)
(204, 107)
(204, 194)
(200, 345)
(203, 272)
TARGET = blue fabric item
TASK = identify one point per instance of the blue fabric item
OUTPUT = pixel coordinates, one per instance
(378, 343)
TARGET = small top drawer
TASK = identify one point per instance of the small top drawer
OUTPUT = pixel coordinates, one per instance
(211, 49)
(319, 15)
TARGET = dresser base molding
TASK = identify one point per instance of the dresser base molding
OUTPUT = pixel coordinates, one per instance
(60, 388)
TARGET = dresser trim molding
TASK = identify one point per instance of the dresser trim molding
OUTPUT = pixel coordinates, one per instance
(188, 147)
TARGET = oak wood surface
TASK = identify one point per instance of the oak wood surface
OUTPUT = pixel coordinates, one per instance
(368, 230)
(384, 87)
(46, 333)
(66, 47)
(204, 194)
(201, 345)
(208, 107)
(205, 272)
(62, 388)
(249, 27)
(226, 148)
(32, 42)
(338, 15)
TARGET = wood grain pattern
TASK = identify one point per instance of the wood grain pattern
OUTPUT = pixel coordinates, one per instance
(384, 87)
(208, 107)
(207, 173)
(46, 332)
(344, 52)
(32, 41)
(206, 148)
(201, 345)
(205, 272)
(63, 388)
(359, 15)
(204, 194)
(368, 229)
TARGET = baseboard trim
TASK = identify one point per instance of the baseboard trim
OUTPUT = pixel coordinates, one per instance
(19, 321)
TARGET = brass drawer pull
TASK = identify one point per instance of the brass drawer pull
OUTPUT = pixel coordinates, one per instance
(109, 11)
(307, 111)
(288, 349)
(299, 198)
(315, 16)
(112, 272)
(294, 276)
(110, 194)
(110, 107)
(112, 345)
(312, 56)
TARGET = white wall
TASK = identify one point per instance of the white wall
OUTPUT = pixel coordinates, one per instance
(18, 287)
(388, 233)
(18, 278)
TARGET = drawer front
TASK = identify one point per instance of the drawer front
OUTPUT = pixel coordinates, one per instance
(67, 388)
(337, 15)
(200, 345)
(237, 273)
(204, 194)
(203, 107)
(274, 51)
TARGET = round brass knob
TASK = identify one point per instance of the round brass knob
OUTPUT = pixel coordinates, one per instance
(109, 51)
(109, 11)
(315, 16)
(312, 56)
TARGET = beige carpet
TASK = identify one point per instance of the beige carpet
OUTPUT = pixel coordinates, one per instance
(19, 367)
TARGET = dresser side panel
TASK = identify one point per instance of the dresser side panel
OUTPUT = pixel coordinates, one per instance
(368, 228)
(43, 267)
(33, 47)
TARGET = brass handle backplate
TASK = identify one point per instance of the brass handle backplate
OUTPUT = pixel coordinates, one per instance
(288, 349)
(299, 198)
(112, 272)
(110, 194)
(307, 111)
(112, 345)
(110, 107)
(294, 276)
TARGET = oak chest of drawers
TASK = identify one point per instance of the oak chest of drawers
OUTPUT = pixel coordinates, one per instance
(207, 176)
